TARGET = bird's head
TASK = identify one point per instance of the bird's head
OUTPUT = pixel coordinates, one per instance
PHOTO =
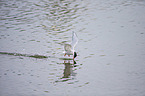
(75, 54)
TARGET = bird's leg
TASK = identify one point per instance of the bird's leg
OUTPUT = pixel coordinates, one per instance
(65, 54)
(68, 55)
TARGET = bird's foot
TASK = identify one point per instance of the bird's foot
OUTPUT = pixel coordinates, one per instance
(65, 54)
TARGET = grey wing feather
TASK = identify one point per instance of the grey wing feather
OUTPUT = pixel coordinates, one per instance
(74, 40)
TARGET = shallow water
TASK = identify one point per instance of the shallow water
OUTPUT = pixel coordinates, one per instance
(111, 48)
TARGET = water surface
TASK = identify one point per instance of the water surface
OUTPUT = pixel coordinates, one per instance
(111, 52)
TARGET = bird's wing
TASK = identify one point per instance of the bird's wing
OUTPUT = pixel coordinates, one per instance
(74, 40)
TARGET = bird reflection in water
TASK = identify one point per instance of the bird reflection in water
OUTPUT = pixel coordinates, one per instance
(68, 73)
(68, 69)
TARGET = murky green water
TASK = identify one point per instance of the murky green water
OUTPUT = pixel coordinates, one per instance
(111, 48)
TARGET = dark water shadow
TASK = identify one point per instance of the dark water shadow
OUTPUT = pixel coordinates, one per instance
(66, 59)
(26, 55)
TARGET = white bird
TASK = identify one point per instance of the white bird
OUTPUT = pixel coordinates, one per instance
(69, 48)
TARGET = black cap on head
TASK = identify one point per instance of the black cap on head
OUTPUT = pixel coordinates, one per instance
(75, 54)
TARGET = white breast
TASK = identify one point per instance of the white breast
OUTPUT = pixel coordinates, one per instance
(68, 49)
